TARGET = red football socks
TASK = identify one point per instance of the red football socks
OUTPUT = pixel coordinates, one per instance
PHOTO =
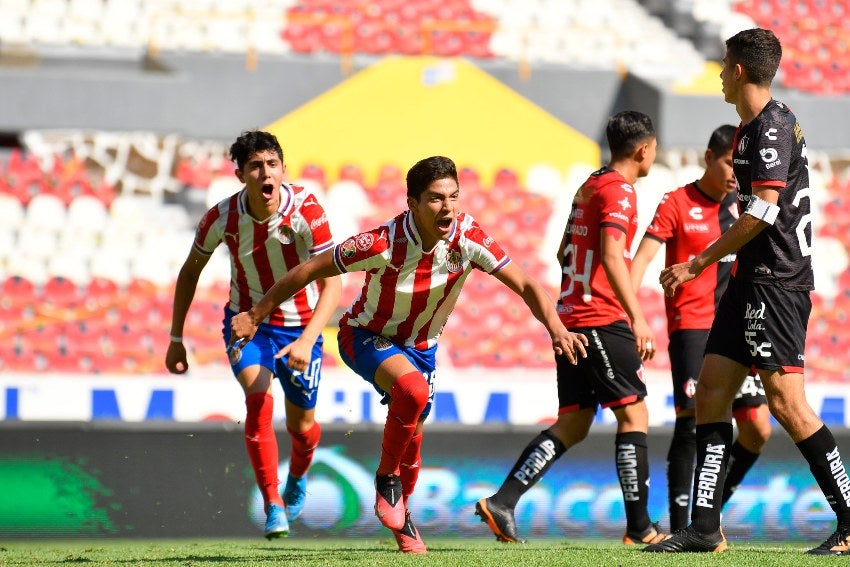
(409, 469)
(409, 396)
(303, 446)
(261, 443)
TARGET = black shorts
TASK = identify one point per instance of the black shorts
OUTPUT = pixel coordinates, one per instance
(687, 350)
(611, 376)
(761, 326)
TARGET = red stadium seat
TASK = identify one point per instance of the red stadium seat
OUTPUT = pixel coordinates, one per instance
(12, 319)
(18, 291)
(49, 337)
(100, 293)
(315, 172)
(60, 292)
(351, 172)
(15, 360)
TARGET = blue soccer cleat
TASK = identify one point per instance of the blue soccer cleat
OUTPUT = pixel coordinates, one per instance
(276, 523)
(294, 495)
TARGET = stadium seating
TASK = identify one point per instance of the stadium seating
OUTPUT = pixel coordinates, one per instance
(816, 51)
(104, 305)
(542, 31)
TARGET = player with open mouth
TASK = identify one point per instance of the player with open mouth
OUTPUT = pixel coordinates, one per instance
(416, 264)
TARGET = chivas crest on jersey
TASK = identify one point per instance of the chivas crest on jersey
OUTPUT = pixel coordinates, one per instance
(454, 261)
(285, 234)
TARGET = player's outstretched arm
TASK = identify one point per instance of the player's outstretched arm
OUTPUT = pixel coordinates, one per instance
(542, 307)
(184, 292)
(244, 325)
(742, 231)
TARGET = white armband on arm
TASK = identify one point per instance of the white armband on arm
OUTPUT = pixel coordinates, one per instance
(762, 210)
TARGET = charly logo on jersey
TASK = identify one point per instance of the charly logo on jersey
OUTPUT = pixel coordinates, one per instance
(488, 242)
(454, 261)
(381, 343)
(626, 187)
(348, 248)
(285, 234)
(742, 144)
(696, 213)
(364, 241)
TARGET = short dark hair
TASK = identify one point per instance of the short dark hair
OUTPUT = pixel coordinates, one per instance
(758, 51)
(721, 139)
(626, 130)
(427, 171)
(251, 142)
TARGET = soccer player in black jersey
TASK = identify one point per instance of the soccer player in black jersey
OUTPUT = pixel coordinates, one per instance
(762, 316)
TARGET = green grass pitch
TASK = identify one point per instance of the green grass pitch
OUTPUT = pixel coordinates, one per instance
(382, 552)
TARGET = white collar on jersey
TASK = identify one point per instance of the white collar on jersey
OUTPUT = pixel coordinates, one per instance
(287, 202)
(412, 232)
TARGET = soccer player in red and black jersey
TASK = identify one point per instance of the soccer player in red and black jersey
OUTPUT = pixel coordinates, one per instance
(597, 301)
(687, 221)
(762, 316)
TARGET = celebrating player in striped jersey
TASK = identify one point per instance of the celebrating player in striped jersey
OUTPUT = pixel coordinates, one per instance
(269, 228)
(415, 267)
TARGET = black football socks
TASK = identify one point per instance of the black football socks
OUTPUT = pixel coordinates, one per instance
(533, 462)
(821, 451)
(633, 472)
(680, 471)
(714, 441)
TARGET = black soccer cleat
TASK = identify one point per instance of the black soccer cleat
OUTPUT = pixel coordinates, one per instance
(652, 534)
(690, 540)
(500, 519)
(836, 544)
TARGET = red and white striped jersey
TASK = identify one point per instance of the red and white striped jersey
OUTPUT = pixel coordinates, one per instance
(261, 252)
(408, 293)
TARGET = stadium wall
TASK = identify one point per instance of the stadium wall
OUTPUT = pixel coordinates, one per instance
(687, 120)
(463, 397)
(65, 480)
(213, 96)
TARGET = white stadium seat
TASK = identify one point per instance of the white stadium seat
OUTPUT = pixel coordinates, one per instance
(12, 212)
